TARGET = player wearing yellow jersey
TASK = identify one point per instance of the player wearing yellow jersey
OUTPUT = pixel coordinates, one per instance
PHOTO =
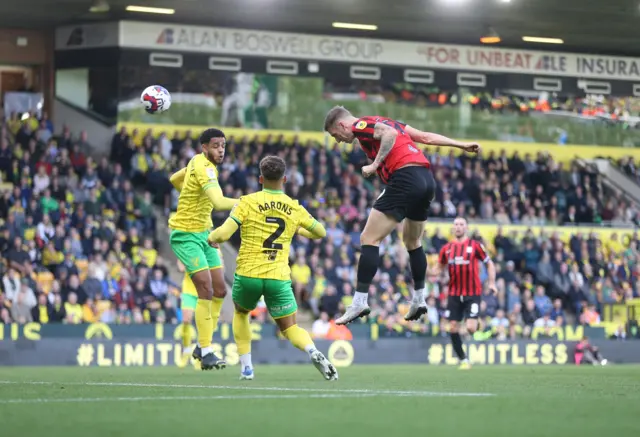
(200, 193)
(268, 221)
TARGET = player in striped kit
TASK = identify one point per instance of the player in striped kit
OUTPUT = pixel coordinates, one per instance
(460, 257)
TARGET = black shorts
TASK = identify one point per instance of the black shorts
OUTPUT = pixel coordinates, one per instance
(408, 194)
(463, 307)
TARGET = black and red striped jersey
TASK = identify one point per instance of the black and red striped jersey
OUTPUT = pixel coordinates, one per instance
(404, 150)
(462, 258)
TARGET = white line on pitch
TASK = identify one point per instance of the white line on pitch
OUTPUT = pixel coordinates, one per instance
(254, 388)
(179, 398)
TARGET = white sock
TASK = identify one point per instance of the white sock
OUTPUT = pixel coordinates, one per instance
(418, 295)
(245, 361)
(360, 298)
(206, 351)
(310, 348)
(188, 350)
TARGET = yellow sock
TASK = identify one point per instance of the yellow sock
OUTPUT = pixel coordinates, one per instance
(186, 335)
(242, 332)
(204, 322)
(299, 338)
(216, 306)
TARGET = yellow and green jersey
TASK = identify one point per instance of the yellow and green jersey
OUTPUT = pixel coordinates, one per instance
(268, 221)
(194, 206)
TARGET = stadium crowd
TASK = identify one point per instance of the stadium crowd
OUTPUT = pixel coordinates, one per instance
(503, 101)
(79, 238)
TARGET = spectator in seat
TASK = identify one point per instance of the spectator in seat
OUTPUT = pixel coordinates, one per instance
(321, 326)
(557, 310)
(42, 312)
(508, 274)
(330, 302)
(545, 322)
(530, 313)
(491, 300)
(571, 217)
(19, 258)
(513, 297)
(170, 313)
(544, 273)
(73, 287)
(590, 316)
(41, 180)
(301, 276)
(73, 309)
(531, 258)
(58, 312)
(92, 286)
(542, 301)
(27, 294)
(90, 312)
(51, 258)
(22, 305)
(11, 284)
(68, 264)
(562, 283)
(499, 321)
(159, 286)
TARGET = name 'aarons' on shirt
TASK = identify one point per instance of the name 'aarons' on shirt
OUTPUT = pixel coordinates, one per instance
(280, 206)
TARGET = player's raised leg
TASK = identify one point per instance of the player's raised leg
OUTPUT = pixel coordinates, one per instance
(378, 226)
(281, 304)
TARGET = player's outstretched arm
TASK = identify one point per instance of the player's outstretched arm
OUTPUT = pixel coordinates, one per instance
(220, 203)
(315, 232)
(432, 139)
(177, 178)
(224, 232)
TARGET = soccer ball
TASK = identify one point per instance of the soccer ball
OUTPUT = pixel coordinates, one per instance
(155, 99)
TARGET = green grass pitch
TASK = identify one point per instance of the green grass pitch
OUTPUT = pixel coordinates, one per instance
(295, 401)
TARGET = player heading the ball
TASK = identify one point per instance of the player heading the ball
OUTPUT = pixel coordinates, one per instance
(200, 193)
(410, 189)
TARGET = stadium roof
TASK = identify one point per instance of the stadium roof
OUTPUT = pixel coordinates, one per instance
(588, 26)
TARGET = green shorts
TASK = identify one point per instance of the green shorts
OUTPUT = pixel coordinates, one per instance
(188, 302)
(278, 295)
(194, 252)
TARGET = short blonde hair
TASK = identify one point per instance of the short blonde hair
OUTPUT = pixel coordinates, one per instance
(336, 113)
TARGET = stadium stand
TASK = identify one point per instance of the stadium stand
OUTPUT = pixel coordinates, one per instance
(79, 237)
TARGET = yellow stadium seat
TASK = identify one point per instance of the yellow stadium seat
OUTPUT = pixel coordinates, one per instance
(45, 280)
(83, 266)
